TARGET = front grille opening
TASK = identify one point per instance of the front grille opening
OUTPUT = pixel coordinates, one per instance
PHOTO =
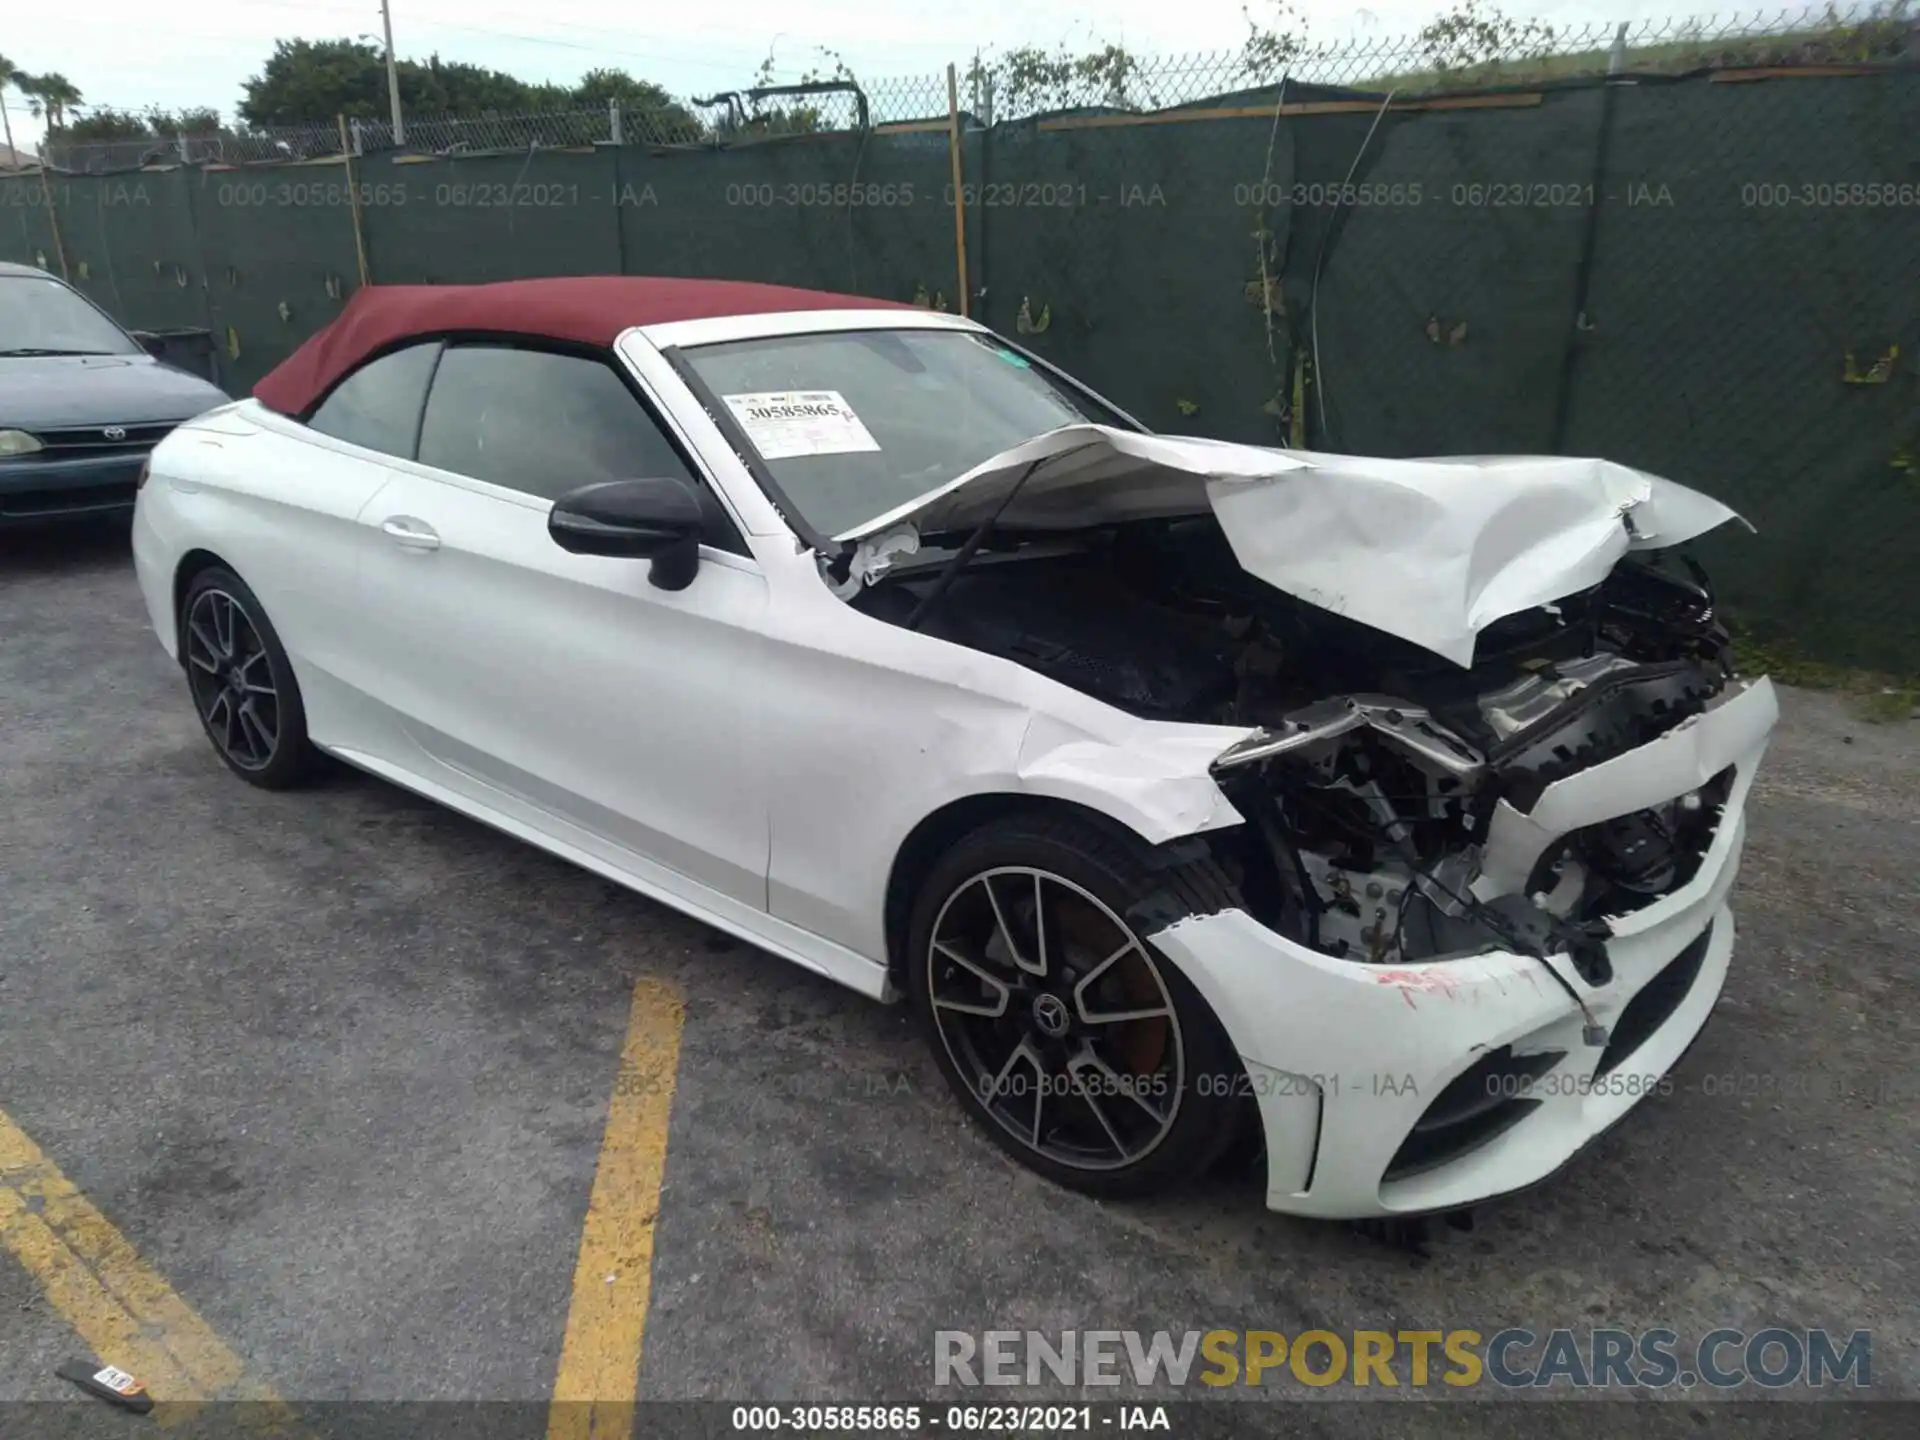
(1655, 1004)
(93, 442)
(1634, 860)
(1484, 1102)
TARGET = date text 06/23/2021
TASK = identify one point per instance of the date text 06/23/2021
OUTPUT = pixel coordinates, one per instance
(950, 1419)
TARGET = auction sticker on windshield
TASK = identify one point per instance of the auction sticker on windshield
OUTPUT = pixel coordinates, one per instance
(785, 423)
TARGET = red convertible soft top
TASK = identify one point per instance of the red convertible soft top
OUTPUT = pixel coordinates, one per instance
(588, 309)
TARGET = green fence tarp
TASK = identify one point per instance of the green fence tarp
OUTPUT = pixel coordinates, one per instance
(1732, 300)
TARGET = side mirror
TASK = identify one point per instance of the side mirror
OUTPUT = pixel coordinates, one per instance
(657, 520)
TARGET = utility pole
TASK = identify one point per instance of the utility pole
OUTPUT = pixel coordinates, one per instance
(393, 78)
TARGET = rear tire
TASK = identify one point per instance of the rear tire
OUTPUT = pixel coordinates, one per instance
(241, 682)
(1079, 1048)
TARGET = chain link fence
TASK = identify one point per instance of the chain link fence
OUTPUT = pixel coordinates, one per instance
(1457, 54)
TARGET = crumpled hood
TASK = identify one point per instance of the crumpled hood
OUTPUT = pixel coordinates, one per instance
(1432, 551)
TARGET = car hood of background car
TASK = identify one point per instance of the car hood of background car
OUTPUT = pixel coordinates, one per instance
(1432, 551)
(43, 392)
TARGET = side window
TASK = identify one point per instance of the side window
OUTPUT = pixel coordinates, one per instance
(545, 423)
(539, 422)
(378, 406)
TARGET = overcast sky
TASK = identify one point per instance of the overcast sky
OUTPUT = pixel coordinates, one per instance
(199, 53)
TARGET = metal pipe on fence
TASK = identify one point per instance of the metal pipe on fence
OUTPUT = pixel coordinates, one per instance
(393, 80)
(1583, 267)
(53, 221)
(1617, 60)
(353, 201)
(959, 196)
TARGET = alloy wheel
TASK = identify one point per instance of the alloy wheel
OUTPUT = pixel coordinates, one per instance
(232, 680)
(1057, 1017)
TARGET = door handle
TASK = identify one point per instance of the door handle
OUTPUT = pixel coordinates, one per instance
(410, 534)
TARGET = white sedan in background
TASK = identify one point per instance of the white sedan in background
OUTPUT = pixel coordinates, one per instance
(1382, 811)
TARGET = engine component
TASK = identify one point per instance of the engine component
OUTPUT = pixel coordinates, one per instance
(1362, 910)
(1074, 624)
(1609, 717)
(1518, 707)
(1407, 726)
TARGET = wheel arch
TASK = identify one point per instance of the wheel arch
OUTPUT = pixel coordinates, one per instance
(191, 564)
(1183, 876)
(938, 831)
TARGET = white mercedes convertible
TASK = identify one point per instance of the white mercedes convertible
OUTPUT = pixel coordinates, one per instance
(1383, 812)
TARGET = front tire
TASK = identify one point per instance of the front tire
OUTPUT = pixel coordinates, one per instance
(1080, 1049)
(242, 682)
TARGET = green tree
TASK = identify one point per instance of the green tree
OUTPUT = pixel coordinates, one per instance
(658, 113)
(195, 120)
(1274, 44)
(452, 87)
(311, 81)
(51, 95)
(106, 123)
(1028, 80)
(1468, 43)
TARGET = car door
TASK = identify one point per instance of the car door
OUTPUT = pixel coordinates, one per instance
(295, 495)
(566, 690)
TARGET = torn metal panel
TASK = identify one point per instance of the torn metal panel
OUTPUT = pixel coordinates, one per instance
(1432, 551)
(1084, 475)
(875, 556)
(1732, 732)
(1158, 783)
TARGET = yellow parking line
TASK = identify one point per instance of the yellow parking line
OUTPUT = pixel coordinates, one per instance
(127, 1315)
(593, 1394)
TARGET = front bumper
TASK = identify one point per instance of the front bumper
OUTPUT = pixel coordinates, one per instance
(1351, 1064)
(37, 490)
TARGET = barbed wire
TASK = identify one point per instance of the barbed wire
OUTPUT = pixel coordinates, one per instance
(1457, 52)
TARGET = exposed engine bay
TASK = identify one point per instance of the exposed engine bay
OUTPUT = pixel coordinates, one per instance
(1378, 767)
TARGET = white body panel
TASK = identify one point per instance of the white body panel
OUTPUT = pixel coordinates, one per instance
(754, 751)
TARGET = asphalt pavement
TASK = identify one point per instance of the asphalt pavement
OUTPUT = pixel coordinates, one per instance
(337, 1065)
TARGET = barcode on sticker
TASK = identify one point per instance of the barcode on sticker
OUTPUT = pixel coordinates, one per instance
(118, 1380)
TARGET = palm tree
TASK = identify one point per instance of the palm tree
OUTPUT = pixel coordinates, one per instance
(51, 94)
(9, 73)
(60, 95)
(29, 86)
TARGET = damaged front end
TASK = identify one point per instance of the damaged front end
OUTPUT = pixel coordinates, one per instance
(1394, 797)
(1485, 913)
(1393, 830)
(1487, 741)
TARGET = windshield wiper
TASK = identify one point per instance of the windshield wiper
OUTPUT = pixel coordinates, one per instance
(37, 351)
(967, 551)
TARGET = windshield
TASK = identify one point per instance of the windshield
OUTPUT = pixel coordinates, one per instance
(40, 316)
(854, 422)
